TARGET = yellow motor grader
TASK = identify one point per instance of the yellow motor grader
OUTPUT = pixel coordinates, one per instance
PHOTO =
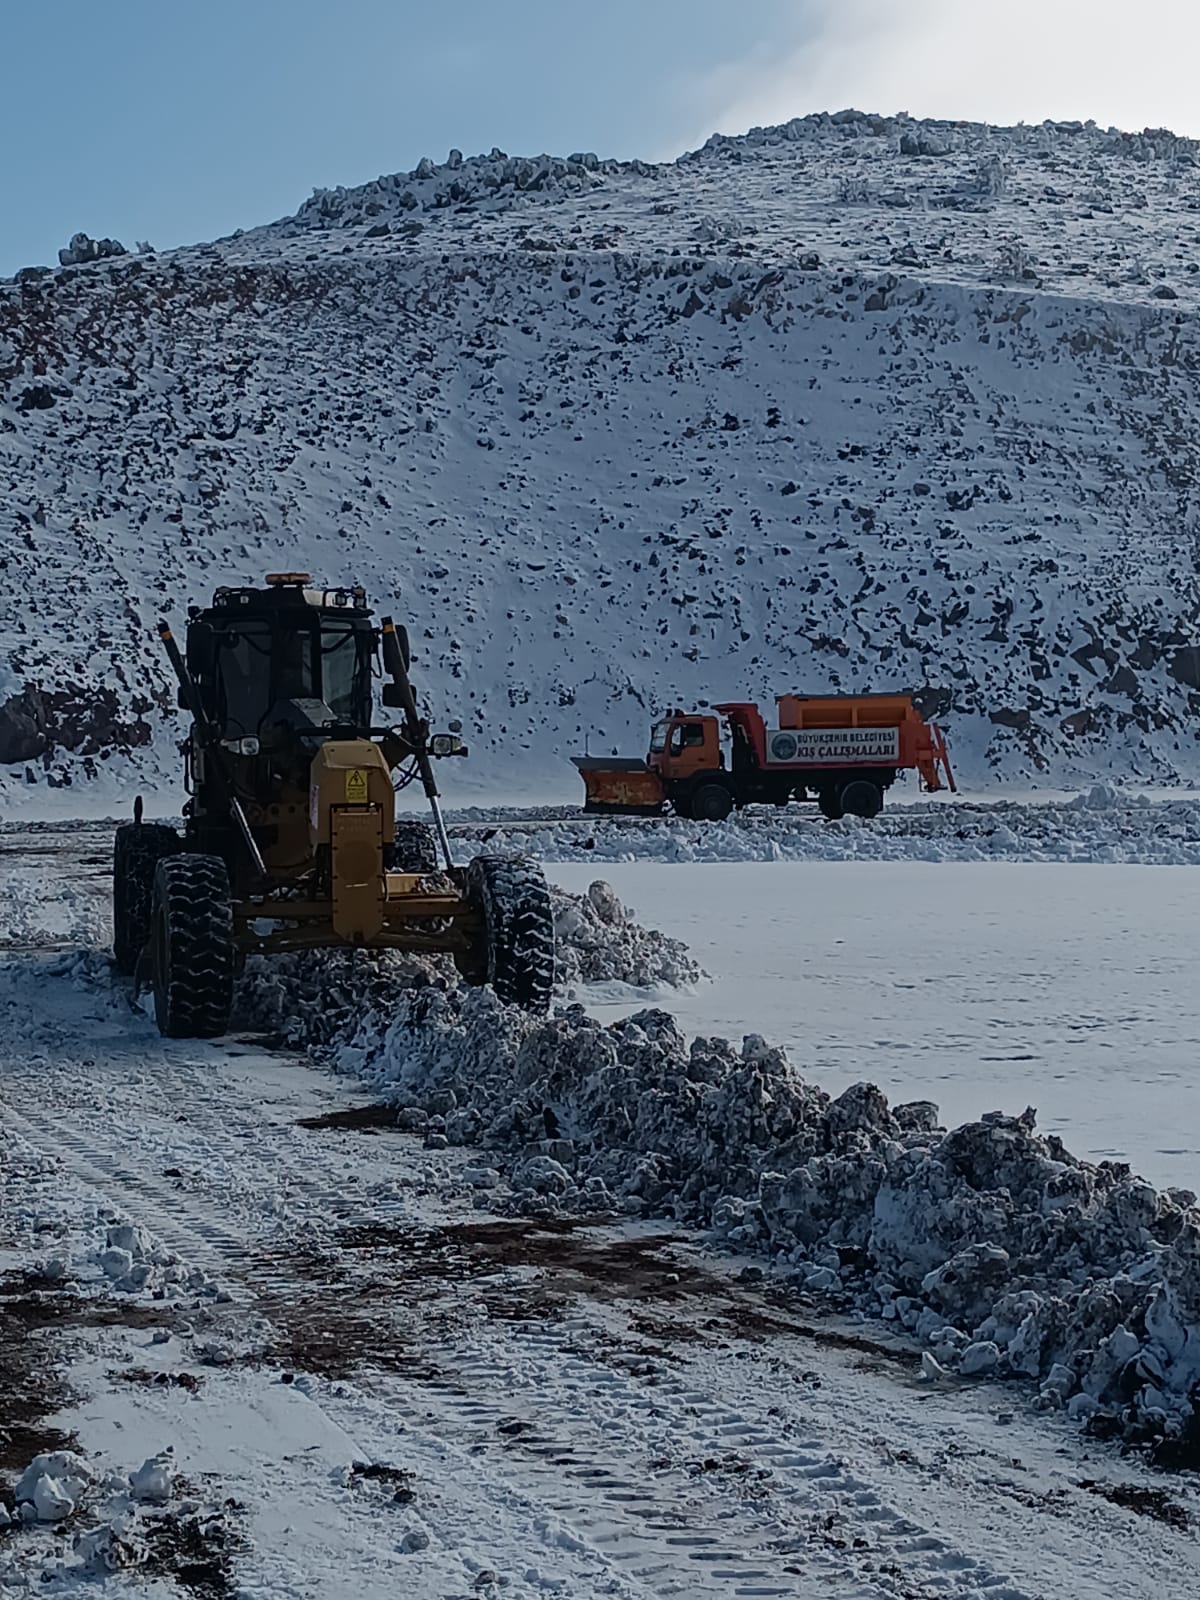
(291, 839)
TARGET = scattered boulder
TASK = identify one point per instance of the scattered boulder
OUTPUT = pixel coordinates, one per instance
(82, 250)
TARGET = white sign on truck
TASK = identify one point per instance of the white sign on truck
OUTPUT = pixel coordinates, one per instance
(817, 747)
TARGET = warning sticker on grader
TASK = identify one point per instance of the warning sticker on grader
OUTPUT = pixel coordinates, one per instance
(356, 787)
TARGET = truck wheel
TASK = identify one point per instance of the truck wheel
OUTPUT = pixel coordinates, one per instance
(517, 959)
(415, 849)
(137, 850)
(712, 802)
(830, 802)
(862, 798)
(192, 944)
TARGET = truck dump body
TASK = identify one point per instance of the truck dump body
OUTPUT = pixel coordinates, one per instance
(837, 730)
(843, 751)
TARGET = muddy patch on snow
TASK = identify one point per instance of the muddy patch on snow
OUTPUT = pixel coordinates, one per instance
(33, 1388)
(1142, 1499)
(522, 1268)
(145, 1378)
(397, 1480)
(33, 1311)
(195, 1550)
(358, 1119)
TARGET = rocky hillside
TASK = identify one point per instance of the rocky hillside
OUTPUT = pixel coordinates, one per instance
(852, 403)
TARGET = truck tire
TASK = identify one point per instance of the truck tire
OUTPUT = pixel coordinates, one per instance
(415, 849)
(711, 802)
(830, 802)
(862, 798)
(192, 943)
(137, 850)
(517, 956)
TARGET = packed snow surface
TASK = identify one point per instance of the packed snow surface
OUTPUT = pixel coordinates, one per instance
(856, 402)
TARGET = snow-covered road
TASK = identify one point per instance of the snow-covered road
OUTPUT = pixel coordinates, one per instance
(375, 1379)
(978, 986)
(400, 1393)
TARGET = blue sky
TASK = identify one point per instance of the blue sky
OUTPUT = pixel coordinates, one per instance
(180, 120)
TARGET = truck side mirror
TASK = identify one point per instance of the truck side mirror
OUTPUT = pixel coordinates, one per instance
(392, 695)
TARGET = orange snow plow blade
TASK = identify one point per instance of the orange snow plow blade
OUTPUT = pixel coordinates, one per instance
(612, 784)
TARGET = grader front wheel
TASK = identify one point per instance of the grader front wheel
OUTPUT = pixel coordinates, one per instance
(517, 954)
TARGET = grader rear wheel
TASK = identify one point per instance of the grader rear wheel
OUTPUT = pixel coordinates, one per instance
(195, 957)
(517, 954)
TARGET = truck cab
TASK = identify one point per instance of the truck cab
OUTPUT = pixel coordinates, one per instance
(681, 746)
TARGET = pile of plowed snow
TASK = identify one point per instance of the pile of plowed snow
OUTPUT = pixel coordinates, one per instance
(1098, 826)
(995, 1247)
(322, 998)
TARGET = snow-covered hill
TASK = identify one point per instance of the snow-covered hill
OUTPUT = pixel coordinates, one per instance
(852, 403)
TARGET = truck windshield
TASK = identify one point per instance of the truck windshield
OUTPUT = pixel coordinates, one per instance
(658, 737)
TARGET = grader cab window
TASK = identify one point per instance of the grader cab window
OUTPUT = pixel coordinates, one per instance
(260, 663)
(346, 654)
(243, 679)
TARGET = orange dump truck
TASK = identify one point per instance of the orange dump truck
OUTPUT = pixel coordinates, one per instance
(843, 751)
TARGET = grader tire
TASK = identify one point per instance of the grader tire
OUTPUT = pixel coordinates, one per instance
(517, 957)
(137, 850)
(415, 849)
(195, 957)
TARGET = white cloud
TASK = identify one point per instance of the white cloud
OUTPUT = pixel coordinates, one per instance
(1000, 61)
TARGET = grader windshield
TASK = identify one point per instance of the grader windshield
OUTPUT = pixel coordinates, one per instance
(246, 666)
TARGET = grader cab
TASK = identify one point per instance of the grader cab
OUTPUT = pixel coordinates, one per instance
(291, 839)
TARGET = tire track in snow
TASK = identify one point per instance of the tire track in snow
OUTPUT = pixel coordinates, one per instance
(616, 1469)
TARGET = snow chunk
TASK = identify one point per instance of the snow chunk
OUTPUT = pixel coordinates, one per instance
(154, 1479)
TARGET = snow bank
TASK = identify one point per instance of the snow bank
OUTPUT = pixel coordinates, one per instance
(995, 1247)
(1099, 826)
(598, 944)
(985, 1235)
(319, 998)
